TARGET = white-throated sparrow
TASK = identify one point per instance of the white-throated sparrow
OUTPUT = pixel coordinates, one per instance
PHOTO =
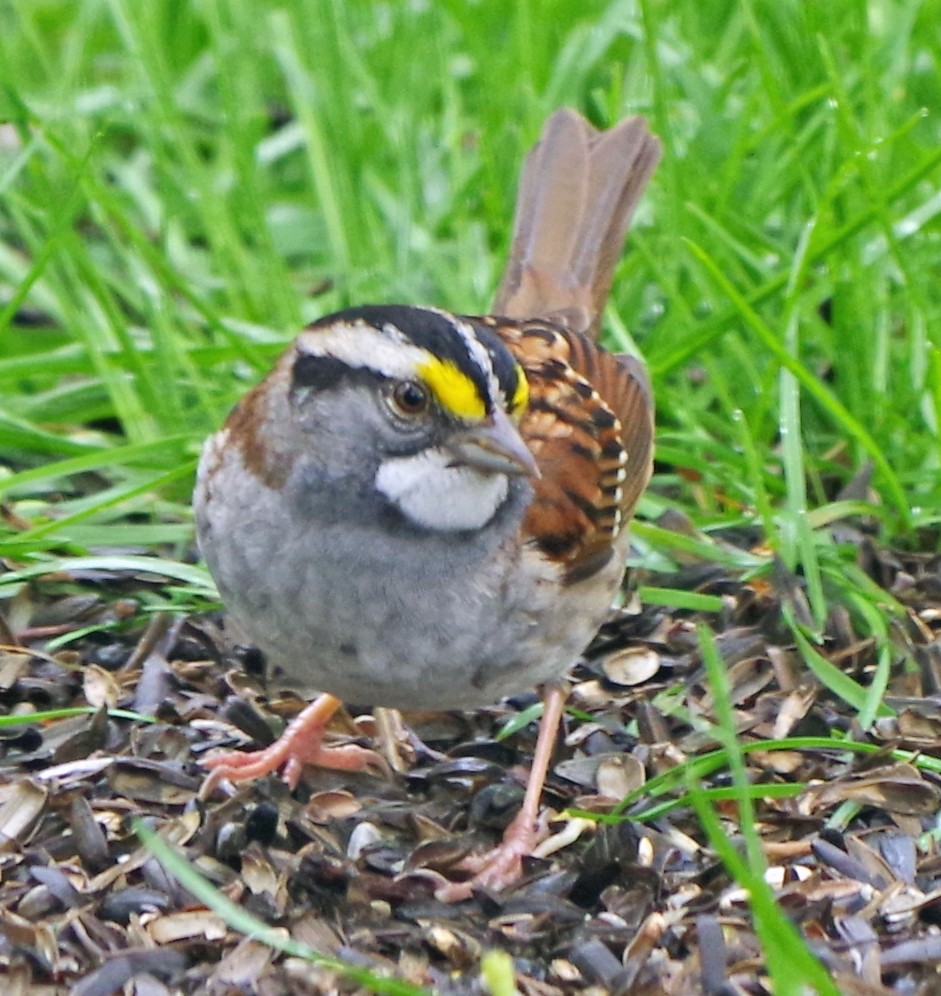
(429, 511)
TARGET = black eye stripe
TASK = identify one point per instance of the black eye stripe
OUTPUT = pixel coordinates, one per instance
(436, 333)
(320, 373)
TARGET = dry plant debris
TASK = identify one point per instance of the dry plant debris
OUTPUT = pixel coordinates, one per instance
(349, 862)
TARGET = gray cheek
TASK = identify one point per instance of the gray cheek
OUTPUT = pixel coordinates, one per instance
(349, 431)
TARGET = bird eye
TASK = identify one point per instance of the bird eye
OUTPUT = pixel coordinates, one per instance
(410, 398)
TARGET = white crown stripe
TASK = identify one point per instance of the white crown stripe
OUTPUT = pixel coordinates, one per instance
(358, 344)
(479, 353)
(389, 352)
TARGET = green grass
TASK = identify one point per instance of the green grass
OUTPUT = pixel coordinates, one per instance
(184, 184)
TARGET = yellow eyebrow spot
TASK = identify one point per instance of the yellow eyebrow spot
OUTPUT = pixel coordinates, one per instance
(455, 391)
(520, 399)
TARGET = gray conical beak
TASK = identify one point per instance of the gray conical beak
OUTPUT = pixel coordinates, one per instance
(495, 447)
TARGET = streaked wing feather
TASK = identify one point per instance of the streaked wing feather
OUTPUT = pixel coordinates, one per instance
(590, 427)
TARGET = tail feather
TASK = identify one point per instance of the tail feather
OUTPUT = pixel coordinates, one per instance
(578, 192)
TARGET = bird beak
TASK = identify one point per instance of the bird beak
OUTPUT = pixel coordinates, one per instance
(495, 447)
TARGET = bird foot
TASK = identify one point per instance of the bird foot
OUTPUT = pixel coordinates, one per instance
(503, 865)
(300, 744)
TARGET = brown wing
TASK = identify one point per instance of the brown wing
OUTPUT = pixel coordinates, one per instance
(590, 427)
(577, 194)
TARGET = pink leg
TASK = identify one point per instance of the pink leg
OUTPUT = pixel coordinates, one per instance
(504, 864)
(300, 744)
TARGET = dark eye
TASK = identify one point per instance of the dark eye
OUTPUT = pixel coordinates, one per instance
(410, 398)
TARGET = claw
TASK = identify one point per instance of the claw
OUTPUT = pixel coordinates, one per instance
(300, 744)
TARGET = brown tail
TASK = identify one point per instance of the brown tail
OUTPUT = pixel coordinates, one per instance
(578, 191)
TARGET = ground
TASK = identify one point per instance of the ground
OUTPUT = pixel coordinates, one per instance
(347, 864)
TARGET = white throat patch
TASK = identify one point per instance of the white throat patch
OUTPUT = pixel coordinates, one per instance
(435, 494)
